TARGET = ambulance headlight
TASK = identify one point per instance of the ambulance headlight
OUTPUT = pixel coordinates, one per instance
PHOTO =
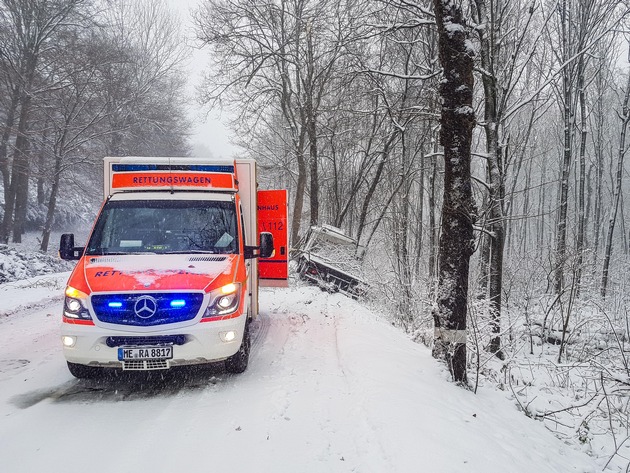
(224, 301)
(75, 304)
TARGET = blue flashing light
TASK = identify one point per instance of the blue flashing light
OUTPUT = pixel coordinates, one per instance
(176, 303)
(173, 167)
(115, 305)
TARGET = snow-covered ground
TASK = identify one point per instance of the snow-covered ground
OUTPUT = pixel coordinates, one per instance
(16, 265)
(331, 387)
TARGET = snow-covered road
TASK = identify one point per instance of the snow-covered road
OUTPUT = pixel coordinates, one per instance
(331, 387)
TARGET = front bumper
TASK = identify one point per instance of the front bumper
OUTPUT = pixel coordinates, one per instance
(196, 344)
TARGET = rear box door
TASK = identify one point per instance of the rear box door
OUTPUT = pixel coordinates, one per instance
(272, 217)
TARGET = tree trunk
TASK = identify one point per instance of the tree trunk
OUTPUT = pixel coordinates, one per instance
(432, 225)
(6, 135)
(540, 234)
(41, 169)
(402, 238)
(494, 243)
(456, 240)
(52, 203)
(314, 166)
(366, 164)
(372, 189)
(599, 163)
(22, 171)
(300, 190)
(579, 247)
(15, 198)
(420, 216)
(561, 227)
(311, 125)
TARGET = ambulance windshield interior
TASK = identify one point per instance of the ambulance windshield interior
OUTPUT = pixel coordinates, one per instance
(165, 226)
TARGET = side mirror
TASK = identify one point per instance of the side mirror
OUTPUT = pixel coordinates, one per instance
(266, 244)
(67, 250)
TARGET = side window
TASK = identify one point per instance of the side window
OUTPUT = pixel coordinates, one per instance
(245, 242)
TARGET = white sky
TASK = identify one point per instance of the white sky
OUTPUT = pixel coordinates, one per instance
(210, 132)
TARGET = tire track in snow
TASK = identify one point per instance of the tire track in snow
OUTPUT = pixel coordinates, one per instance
(368, 437)
(313, 393)
(28, 339)
(259, 329)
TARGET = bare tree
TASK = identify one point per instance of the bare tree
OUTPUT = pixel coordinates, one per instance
(143, 85)
(32, 25)
(67, 65)
(283, 59)
(504, 29)
(580, 24)
(624, 119)
(75, 113)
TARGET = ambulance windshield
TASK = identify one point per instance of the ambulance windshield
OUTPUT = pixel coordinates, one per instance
(165, 226)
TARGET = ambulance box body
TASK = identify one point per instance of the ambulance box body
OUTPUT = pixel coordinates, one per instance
(171, 270)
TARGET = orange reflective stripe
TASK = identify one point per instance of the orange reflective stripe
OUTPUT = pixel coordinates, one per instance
(222, 317)
(67, 320)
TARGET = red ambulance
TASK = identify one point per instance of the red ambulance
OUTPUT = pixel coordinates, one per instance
(171, 271)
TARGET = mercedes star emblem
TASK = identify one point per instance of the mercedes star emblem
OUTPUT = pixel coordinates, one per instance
(145, 307)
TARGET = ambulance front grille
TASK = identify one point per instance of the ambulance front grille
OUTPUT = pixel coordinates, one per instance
(106, 259)
(145, 365)
(207, 258)
(145, 341)
(146, 309)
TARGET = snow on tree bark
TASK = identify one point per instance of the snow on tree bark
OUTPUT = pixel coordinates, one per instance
(456, 239)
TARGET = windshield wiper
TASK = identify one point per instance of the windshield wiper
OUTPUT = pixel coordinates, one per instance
(120, 253)
(184, 252)
(104, 252)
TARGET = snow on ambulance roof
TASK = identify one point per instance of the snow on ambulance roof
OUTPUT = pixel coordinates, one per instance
(189, 195)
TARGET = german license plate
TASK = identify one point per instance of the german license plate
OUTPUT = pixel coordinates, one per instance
(145, 353)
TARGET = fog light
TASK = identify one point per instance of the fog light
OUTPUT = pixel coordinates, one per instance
(68, 341)
(228, 336)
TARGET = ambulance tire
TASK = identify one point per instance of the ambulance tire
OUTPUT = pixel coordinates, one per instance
(83, 371)
(237, 363)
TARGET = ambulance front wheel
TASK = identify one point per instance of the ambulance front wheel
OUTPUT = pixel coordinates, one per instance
(83, 371)
(237, 363)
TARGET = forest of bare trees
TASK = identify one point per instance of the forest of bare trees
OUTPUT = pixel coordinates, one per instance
(81, 80)
(346, 104)
(340, 102)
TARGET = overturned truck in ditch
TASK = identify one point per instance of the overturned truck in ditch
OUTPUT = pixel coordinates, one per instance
(332, 260)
